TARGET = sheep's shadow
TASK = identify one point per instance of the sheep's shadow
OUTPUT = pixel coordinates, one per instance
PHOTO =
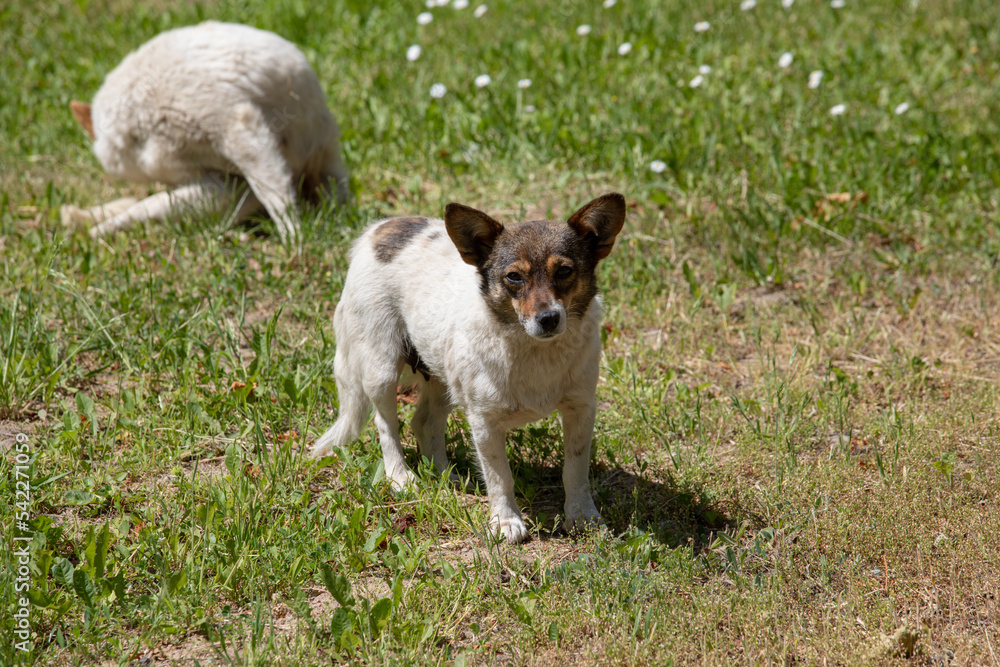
(674, 513)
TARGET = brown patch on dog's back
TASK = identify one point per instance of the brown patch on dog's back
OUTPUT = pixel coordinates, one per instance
(393, 235)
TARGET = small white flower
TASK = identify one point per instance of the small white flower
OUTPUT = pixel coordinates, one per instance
(529, 108)
(838, 110)
(697, 81)
(837, 4)
(480, 11)
(704, 69)
(460, 4)
(583, 30)
(608, 4)
(787, 3)
(747, 5)
(815, 78)
(785, 60)
(901, 108)
(438, 90)
(625, 48)
(657, 166)
(702, 26)
(413, 52)
(423, 18)
(524, 83)
(483, 80)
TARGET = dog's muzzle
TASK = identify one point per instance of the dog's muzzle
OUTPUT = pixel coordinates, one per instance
(547, 323)
(549, 320)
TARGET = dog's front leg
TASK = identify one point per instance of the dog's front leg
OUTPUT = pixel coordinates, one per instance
(491, 448)
(154, 207)
(578, 431)
(211, 194)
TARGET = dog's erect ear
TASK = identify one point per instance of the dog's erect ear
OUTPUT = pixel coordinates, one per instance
(81, 111)
(600, 219)
(473, 232)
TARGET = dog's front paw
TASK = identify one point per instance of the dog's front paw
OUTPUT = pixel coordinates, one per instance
(511, 527)
(583, 516)
(402, 479)
(319, 450)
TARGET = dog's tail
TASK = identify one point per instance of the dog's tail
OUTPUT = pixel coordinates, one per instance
(354, 407)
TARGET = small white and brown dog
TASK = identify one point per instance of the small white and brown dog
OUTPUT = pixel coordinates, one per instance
(204, 107)
(503, 321)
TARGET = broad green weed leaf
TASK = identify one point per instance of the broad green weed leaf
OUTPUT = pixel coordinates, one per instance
(338, 585)
(79, 497)
(63, 572)
(379, 615)
(83, 587)
(101, 550)
(174, 582)
(85, 404)
(340, 623)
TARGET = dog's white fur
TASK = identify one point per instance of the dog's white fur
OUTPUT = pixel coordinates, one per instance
(195, 106)
(502, 377)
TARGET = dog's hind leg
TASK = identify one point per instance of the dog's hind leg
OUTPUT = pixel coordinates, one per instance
(251, 145)
(430, 421)
(383, 395)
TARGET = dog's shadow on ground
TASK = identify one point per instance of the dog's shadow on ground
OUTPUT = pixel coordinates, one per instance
(676, 515)
(626, 498)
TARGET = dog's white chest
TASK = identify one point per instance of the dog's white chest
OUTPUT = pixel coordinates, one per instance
(517, 385)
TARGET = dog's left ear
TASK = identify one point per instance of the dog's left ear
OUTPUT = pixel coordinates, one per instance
(81, 112)
(601, 220)
(473, 232)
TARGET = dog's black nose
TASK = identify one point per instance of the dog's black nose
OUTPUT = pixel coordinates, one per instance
(548, 320)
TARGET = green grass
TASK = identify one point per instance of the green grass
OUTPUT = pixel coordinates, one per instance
(796, 451)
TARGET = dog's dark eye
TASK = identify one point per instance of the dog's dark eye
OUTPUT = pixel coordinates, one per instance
(564, 272)
(514, 278)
